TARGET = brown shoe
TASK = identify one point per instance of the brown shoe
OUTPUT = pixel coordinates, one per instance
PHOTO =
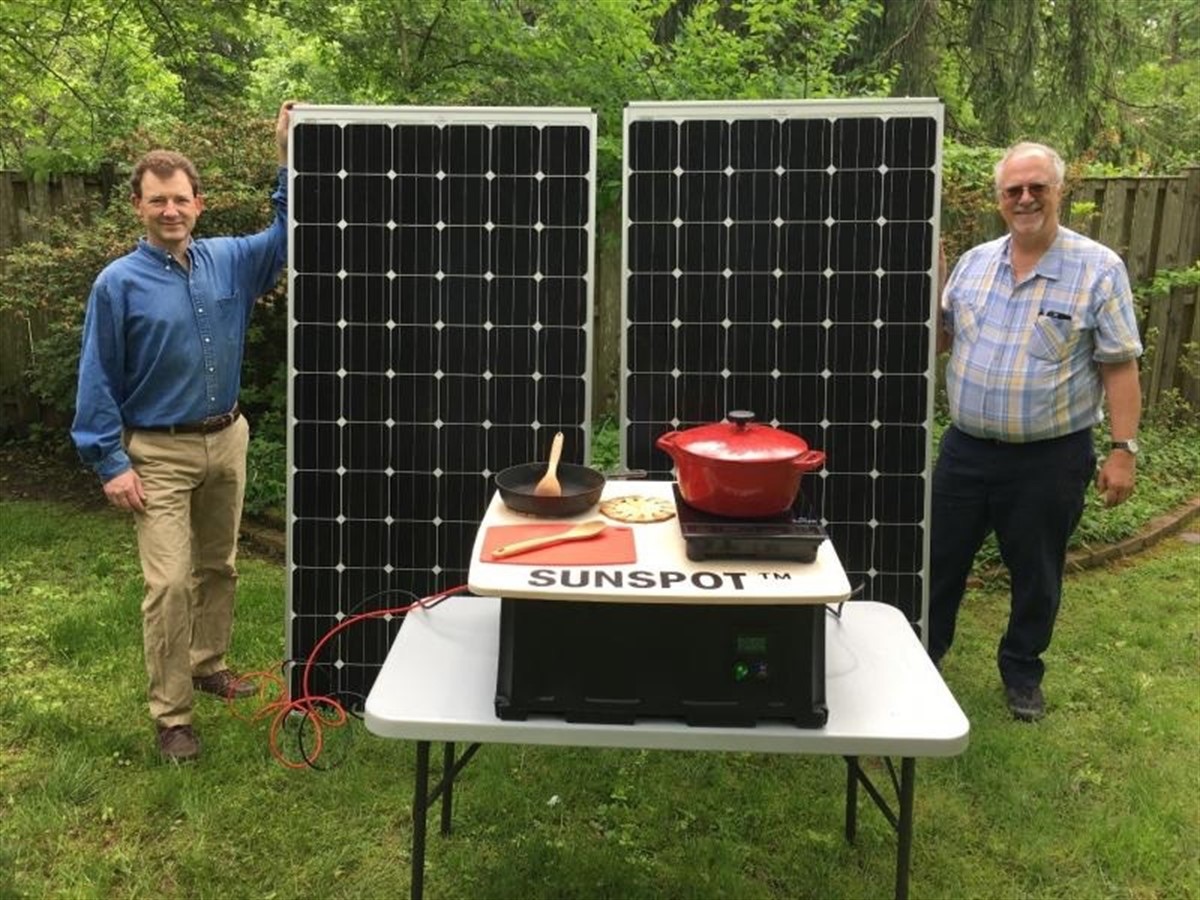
(225, 684)
(178, 743)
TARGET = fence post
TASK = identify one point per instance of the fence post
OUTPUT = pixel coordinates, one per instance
(8, 216)
(1145, 227)
(1185, 302)
(1117, 215)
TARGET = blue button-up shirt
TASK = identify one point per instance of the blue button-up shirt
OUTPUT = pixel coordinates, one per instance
(162, 345)
(1024, 361)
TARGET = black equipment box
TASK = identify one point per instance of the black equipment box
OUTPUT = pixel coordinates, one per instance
(707, 664)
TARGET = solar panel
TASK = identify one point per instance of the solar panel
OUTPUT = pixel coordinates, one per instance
(440, 294)
(780, 258)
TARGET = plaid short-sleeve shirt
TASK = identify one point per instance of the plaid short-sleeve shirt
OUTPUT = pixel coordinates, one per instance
(1024, 361)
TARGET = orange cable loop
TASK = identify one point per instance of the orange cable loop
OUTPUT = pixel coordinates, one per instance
(308, 704)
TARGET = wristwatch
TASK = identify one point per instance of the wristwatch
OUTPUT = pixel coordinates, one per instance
(1130, 446)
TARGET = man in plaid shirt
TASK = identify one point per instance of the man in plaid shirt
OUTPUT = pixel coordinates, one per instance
(1041, 328)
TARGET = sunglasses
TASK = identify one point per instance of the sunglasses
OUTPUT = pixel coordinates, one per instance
(1014, 193)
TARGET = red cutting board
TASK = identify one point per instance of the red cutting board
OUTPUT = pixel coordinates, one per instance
(612, 547)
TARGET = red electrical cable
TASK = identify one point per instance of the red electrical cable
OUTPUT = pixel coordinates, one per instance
(308, 704)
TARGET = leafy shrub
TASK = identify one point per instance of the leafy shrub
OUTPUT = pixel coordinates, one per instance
(606, 444)
(969, 213)
(49, 281)
(266, 477)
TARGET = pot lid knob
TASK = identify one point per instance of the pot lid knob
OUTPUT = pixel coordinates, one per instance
(740, 417)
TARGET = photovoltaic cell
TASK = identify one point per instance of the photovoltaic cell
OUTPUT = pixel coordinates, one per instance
(780, 257)
(440, 295)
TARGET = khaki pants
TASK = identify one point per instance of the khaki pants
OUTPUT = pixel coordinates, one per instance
(187, 540)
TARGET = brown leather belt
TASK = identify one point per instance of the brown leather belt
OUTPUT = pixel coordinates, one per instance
(204, 426)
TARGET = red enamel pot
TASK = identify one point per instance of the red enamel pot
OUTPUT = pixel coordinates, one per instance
(739, 468)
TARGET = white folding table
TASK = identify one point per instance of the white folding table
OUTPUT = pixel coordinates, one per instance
(885, 699)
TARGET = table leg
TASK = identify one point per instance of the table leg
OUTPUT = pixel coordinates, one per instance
(908, 775)
(447, 785)
(420, 806)
(851, 798)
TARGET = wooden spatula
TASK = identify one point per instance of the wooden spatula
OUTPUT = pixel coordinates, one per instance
(580, 532)
(549, 486)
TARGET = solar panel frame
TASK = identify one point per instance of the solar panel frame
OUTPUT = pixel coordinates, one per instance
(685, 140)
(438, 242)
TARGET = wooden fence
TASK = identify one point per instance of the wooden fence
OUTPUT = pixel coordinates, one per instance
(24, 200)
(1153, 222)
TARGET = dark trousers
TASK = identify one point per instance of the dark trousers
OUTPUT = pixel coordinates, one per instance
(1031, 495)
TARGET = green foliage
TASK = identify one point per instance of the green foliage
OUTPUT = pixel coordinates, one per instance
(1156, 102)
(1167, 280)
(1113, 81)
(1171, 411)
(766, 50)
(564, 53)
(1035, 54)
(1083, 211)
(1168, 475)
(606, 445)
(266, 475)
(49, 281)
(76, 75)
(969, 213)
(206, 46)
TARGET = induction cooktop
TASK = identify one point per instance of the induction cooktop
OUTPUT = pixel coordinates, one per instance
(786, 536)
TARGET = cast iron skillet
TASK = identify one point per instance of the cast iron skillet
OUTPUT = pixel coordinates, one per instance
(581, 489)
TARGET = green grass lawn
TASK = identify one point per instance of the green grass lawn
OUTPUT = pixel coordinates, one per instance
(1102, 799)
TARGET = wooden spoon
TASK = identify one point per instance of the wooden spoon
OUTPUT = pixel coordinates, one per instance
(580, 532)
(549, 486)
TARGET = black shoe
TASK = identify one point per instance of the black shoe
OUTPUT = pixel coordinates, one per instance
(226, 684)
(1026, 703)
(178, 743)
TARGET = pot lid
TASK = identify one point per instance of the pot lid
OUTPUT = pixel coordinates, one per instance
(741, 439)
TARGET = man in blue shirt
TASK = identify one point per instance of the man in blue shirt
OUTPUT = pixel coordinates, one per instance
(1041, 328)
(157, 419)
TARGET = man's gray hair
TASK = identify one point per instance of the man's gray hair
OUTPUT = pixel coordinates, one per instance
(1029, 147)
